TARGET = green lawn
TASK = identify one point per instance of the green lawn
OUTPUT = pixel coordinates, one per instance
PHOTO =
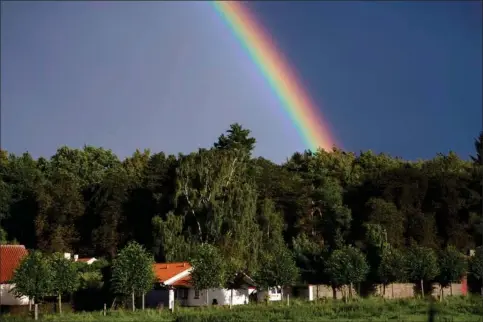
(452, 309)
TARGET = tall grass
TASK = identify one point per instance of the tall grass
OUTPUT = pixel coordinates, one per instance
(453, 309)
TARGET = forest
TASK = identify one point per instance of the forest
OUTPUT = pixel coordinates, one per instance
(253, 211)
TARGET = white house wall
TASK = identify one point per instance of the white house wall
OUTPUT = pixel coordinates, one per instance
(223, 296)
(8, 298)
(261, 296)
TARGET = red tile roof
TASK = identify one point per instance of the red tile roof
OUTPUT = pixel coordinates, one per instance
(10, 257)
(165, 271)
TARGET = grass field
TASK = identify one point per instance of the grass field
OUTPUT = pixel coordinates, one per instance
(452, 309)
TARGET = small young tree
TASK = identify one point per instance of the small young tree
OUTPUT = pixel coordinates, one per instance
(452, 267)
(278, 268)
(132, 272)
(65, 277)
(476, 266)
(392, 268)
(208, 269)
(347, 266)
(422, 264)
(33, 277)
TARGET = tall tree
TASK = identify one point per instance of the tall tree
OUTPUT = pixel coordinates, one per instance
(132, 272)
(238, 139)
(60, 206)
(452, 266)
(393, 267)
(422, 264)
(65, 278)
(33, 277)
(347, 266)
(208, 269)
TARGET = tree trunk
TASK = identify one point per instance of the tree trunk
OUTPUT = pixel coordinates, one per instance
(442, 293)
(451, 289)
(392, 289)
(59, 298)
(142, 301)
(231, 298)
(132, 302)
(350, 290)
(422, 288)
(30, 304)
(207, 298)
(281, 294)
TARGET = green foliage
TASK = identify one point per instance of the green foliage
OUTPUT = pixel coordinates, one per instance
(347, 265)
(170, 243)
(277, 268)
(393, 266)
(476, 264)
(237, 139)
(452, 266)
(411, 310)
(132, 270)
(90, 279)
(65, 278)
(422, 264)
(90, 202)
(208, 268)
(33, 277)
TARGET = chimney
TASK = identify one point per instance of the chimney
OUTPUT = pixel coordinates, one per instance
(76, 258)
(67, 255)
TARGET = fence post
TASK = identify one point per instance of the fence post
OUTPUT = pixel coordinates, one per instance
(36, 312)
(105, 309)
(288, 299)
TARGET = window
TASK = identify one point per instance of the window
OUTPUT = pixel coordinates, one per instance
(182, 293)
(197, 294)
(275, 290)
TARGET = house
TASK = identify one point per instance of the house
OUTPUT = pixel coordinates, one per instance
(10, 258)
(273, 293)
(305, 291)
(175, 285)
(87, 260)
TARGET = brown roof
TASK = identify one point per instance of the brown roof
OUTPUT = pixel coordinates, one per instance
(85, 260)
(10, 257)
(165, 271)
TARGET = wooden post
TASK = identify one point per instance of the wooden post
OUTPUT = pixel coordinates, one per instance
(288, 299)
(142, 301)
(36, 312)
(105, 309)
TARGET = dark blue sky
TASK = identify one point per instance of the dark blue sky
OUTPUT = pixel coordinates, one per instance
(397, 77)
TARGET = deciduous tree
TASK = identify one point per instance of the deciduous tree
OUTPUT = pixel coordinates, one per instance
(132, 272)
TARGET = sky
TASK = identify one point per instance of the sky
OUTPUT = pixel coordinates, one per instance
(403, 78)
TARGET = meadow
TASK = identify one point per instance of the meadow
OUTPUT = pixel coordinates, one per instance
(451, 309)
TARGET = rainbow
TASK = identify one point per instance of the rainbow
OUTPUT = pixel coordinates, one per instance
(296, 102)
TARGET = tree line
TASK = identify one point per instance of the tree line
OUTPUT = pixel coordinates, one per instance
(326, 211)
